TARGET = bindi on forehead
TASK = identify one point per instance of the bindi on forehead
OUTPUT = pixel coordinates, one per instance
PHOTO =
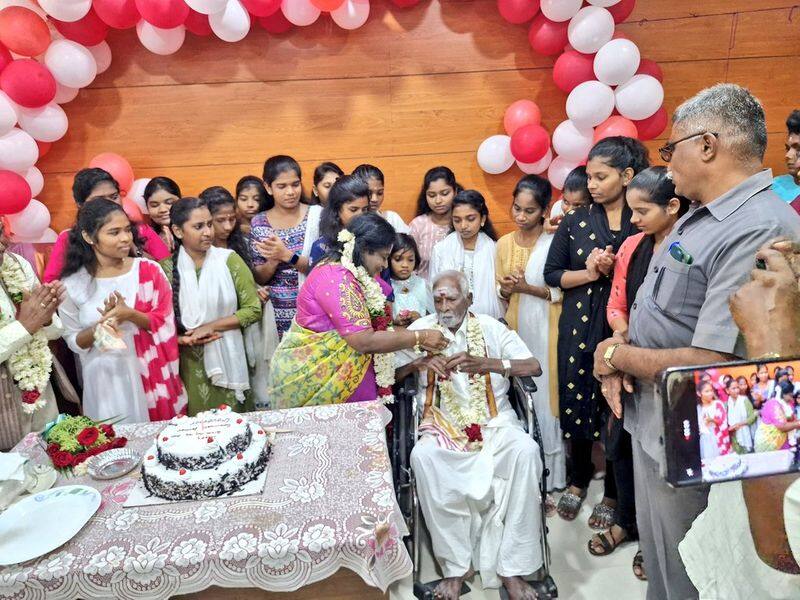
(448, 292)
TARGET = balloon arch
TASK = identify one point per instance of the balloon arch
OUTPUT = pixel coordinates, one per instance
(49, 49)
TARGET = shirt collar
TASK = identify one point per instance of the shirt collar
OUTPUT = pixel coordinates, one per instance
(724, 206)
(461, 331)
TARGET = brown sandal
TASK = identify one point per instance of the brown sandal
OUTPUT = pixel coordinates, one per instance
(607, 541)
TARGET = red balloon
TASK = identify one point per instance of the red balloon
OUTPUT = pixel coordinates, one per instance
(530, 143)
(547, 37)
(521, 113)
(15, 193)
(198, 23)
(28, 83)
(571, 69)
(653, 126)
(119, 168)
(615, 125)
(621, 10)
(119, 14)
(165, 14)
(89, 30)
(327, 5)
(261, 8)
(23, 31)
(518, 11)
(405, 3)
(650, 67)
(5, 57)
(132, 210)
(44, 147)
(275, 23)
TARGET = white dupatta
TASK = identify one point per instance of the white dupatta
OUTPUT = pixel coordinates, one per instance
(448, 255)
(206, 298)
(311, 236)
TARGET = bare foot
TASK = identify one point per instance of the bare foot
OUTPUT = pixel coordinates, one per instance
(449, 588)
(518, 588)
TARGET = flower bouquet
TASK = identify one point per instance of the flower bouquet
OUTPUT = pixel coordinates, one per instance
(72, 440)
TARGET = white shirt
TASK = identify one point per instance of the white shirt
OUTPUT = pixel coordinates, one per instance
(395, 221)
(501, 343)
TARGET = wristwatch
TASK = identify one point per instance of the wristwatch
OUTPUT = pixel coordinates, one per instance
(506, 368)
(294, 259)
(609, 354)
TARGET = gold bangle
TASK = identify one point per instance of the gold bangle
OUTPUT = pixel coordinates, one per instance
(417, 349)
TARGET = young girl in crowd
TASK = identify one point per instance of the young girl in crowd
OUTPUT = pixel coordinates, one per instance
(227, 233)
(521, 255)
(580, 261)
(574, 195)
(160, 194)
(251, 199)
(471, 250)
(713, 420)
(325, 175)
(411, 297)
(373, 177)
(112, 297)
(741, 417)
(214, 298)
(97, 184)
(348, 198)
(434, 219)
(281, 237)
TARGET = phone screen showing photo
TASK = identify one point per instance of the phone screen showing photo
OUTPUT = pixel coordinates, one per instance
(732, 421)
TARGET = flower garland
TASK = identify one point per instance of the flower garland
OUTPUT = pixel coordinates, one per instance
(470, 416)
(378, 312)
(31, 365)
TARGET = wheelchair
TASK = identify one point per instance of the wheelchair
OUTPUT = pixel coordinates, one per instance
(406, 418)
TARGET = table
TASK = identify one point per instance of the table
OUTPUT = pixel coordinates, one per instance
(328, 503)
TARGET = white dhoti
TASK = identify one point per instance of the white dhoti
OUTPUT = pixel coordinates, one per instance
(483, 508)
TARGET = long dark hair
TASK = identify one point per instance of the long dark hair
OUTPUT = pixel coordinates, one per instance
(372, 234)
(252, 181)
(367, 172)
(322, 170)
(161, 183)
(91, 218)
(86, 180)
(658, 187)
(179, 213)
(273, 167)
(346, 189)
(216, 197)
(474, 199)
(620, 153)
(539, 188)
(435, 174)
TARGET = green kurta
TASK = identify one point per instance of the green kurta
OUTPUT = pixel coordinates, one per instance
(202, 394)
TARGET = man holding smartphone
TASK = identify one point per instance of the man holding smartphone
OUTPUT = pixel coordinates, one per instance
(681, 315)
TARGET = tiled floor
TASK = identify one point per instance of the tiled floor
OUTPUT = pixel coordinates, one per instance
(578, 575)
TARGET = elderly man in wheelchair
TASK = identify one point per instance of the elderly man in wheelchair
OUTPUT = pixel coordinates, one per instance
(477, 471)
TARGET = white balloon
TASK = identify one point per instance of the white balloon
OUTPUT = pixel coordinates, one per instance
(47, 123)
(30, 224)
(18, 151)
(160, 41)
(603, 3)
(639, 97)
(66, 10)
(352, 14)
(136, 193)
(558, 171)
(588, 30)
(8, 113)
(48, 237)
(29, 4)
(232, 23)
(300, 12)
(589, 104)
(616, 61)
(35, 179)
(540, 166)
(102, 56)
(494, 154)
(65, 94)
(572, 142)
(207, 7)
(70, 63)
(560, 10)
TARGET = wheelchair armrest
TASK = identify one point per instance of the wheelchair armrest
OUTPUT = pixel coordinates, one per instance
(408, 387)
(526, 384)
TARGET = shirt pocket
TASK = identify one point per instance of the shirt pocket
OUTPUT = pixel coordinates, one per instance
(672, 289)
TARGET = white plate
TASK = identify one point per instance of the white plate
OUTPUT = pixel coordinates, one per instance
(41, 523)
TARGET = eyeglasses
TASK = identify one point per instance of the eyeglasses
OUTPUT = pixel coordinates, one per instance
(667, 149)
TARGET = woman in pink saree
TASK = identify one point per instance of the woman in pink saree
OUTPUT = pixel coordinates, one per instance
(775, 428)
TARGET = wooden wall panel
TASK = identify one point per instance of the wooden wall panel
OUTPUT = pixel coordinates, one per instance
(411, 89)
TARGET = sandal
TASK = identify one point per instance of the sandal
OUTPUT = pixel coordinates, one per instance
(602, 516)
(607, 541)
(638, 566)
(569, 505)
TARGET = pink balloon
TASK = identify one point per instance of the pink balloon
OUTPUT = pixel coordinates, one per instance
(614, 126)
(119, 168)
(518, 11)
(621, 10)
(530, 143)
(275, 23)
(558, 171)
(132, 210)
(653, 126)
(5, 57)
(164, 14)
(521, 113)
(198, 23)
(547, 37)
(650, 67)
(571, 69)
(15, 193)
(29, 224)
(261, 8)
(119, 14)
(28, 83)
(405, 3)
(89, 30)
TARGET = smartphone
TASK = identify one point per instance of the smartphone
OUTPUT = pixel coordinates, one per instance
(717, 430)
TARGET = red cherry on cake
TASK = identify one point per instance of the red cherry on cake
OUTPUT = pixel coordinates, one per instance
(210, 439)
(182, 472)
(238, 421)
(151, 457)
(164, 439)
(260, 432)
(239, 456)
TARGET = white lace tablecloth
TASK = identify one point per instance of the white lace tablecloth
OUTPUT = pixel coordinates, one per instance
(328, 503)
